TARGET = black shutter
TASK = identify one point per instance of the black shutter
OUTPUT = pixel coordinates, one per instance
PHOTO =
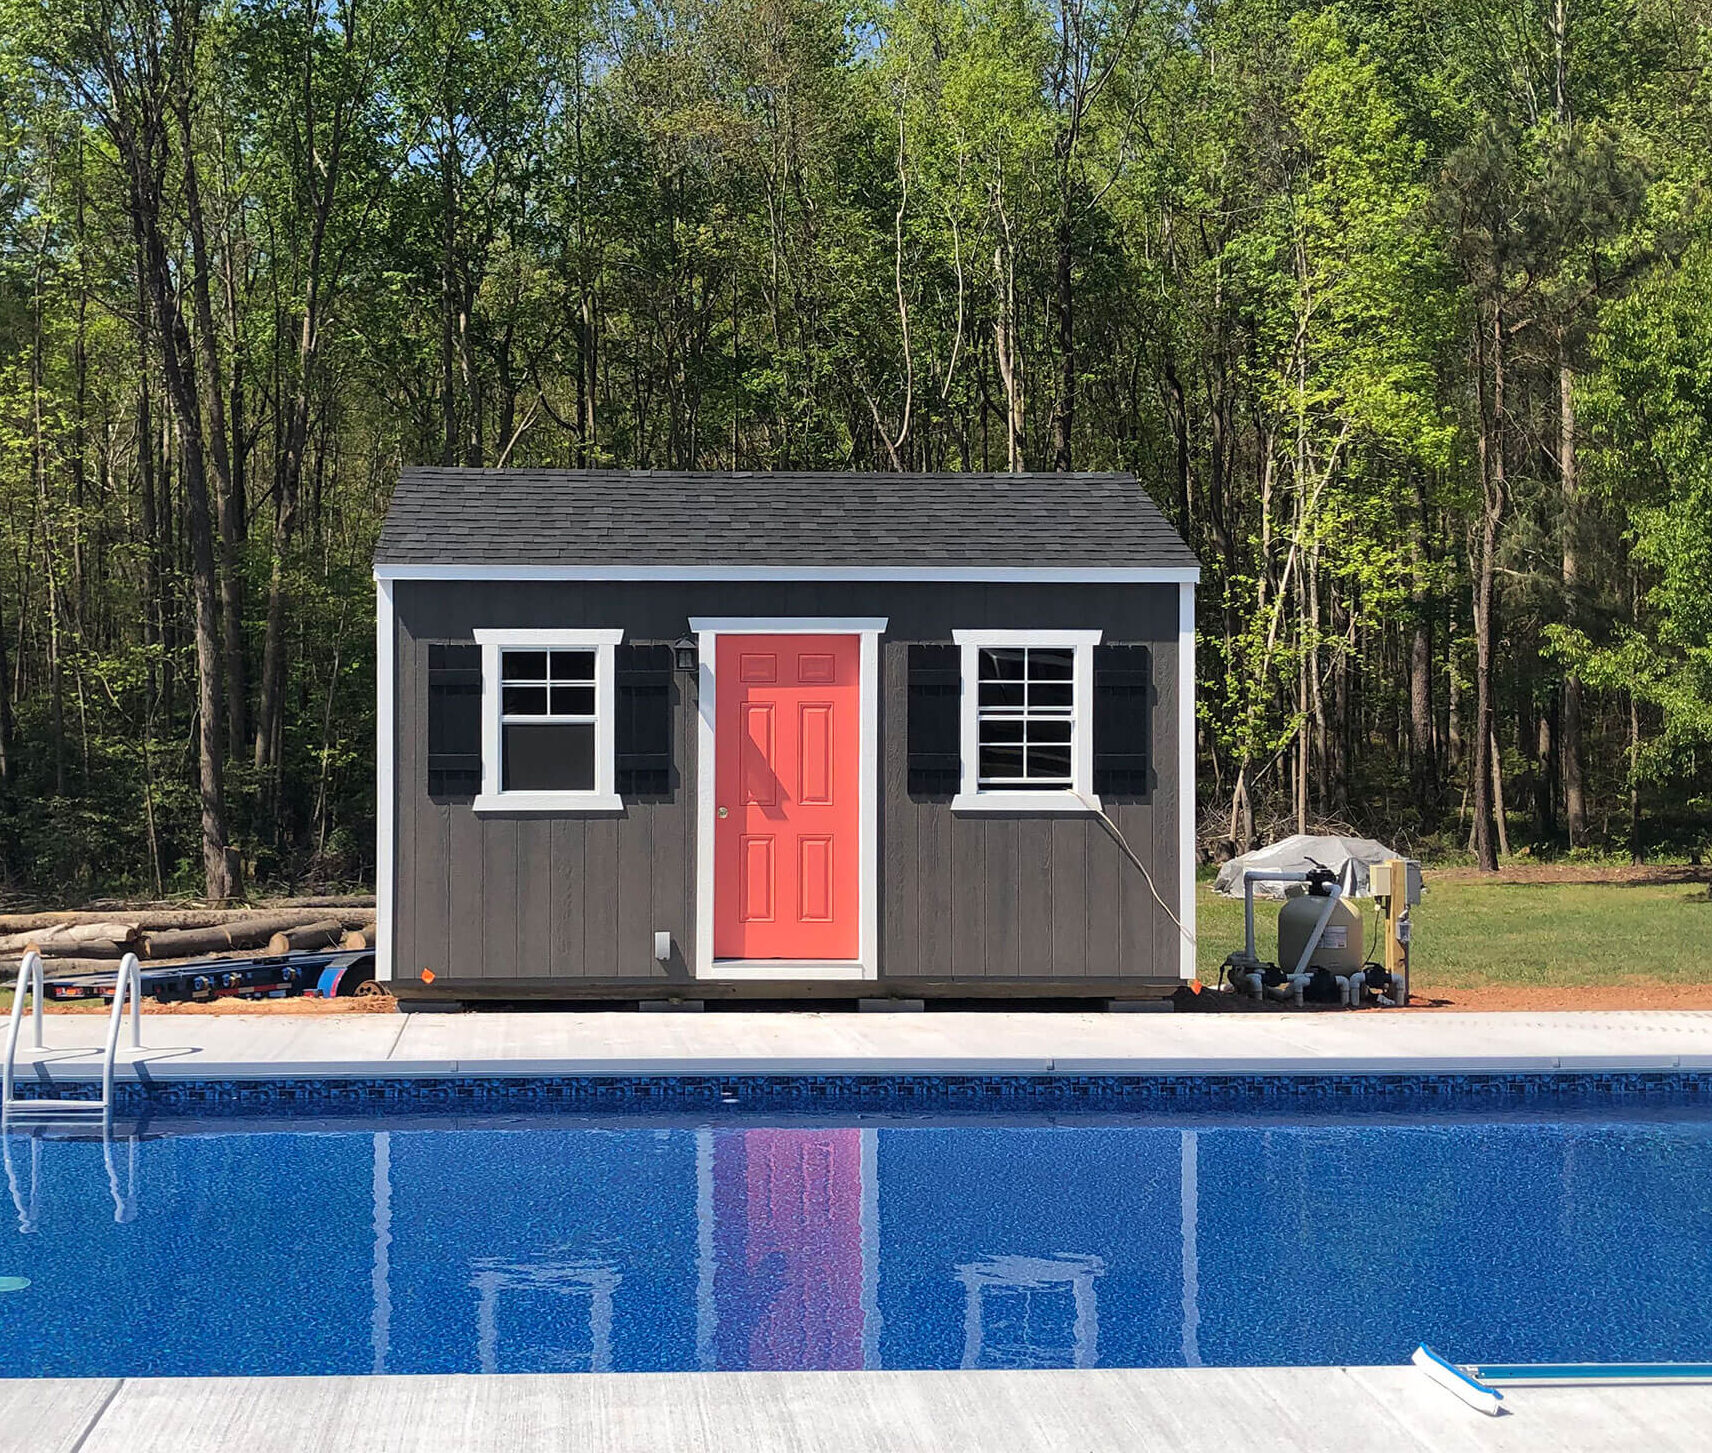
(1122, 715)
(642, 730)
(935, 721)
(454, 721)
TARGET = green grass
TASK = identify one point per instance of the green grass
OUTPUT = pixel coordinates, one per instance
(1471, 934)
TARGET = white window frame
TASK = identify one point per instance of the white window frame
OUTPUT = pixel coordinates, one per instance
(1079, 796)
(603, 797)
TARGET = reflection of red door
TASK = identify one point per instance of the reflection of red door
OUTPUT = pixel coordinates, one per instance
(786, 763)
(788, 1269)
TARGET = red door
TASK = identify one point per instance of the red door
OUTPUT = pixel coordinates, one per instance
(786, 767)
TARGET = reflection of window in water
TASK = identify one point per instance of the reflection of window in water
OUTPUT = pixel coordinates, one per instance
(557, 1314)
(1031, 1311)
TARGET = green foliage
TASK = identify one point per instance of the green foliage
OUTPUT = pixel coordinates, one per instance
(1254, 251)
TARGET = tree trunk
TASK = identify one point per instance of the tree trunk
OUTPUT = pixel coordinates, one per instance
(137, 124)
(1569, 745)
(448, 304)
(1492, 490)
(213, 389)
(1545, 760)
(1064, 412)
(1422, 756)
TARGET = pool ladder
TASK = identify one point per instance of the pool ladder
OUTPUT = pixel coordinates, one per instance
(129, 986)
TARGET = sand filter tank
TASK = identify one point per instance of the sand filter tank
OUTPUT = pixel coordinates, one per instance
(1340, 949)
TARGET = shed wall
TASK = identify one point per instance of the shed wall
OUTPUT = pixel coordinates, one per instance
(961, 896)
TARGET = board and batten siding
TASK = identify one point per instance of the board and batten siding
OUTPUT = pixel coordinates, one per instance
(961, 896)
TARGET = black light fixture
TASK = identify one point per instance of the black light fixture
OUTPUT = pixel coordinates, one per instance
(684, 654)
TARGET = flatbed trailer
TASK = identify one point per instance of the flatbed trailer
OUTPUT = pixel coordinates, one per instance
(329, 974)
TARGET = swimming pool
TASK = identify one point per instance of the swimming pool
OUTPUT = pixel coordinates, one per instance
(656, 1241)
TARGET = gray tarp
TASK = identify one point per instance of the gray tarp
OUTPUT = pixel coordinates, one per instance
(1298, 853)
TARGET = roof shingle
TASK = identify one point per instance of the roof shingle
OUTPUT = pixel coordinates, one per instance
(551, 517)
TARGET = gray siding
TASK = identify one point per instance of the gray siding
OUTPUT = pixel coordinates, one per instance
(960, 896)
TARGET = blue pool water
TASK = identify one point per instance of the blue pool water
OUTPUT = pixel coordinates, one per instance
(552, 1244)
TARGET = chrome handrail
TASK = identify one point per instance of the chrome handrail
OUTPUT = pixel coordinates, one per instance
(129, 984)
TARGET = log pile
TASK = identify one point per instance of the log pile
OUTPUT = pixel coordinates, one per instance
(89, 942)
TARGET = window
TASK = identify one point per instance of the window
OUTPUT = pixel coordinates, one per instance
(546, 721)
(547, 716)
(1027, 740)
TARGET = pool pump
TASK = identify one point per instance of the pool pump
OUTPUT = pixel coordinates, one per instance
(1319, 938)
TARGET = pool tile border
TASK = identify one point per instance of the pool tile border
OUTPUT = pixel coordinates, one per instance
(881, 1092)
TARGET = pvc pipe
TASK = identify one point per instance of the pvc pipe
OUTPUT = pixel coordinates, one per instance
(1357, 984)
(1343, 988)
(1249, 879)
(1319, 928)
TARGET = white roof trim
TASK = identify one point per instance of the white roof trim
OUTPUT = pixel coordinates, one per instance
(997, 574)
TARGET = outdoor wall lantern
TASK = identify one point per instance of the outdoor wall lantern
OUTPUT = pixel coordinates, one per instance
(684, 654)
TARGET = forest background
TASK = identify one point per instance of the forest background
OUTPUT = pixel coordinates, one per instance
(1401, 310)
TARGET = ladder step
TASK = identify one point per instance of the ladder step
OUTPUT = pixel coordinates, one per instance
(14, 1107)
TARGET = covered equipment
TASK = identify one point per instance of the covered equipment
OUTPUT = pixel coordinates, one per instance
(1349, 858)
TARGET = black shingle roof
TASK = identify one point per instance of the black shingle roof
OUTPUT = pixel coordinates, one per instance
(661, 518)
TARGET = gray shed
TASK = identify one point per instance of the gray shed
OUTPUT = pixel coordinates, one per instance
(649, 735)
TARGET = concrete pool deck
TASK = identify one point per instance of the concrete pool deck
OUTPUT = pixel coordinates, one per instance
(1212, 1409)
(262, 1046)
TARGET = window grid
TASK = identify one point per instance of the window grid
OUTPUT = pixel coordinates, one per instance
(547, 686)
(1025, 726)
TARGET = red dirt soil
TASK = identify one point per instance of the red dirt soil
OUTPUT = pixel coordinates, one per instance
(1535, 998)
(1644, 874)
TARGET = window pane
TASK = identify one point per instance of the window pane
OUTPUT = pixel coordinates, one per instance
(1001, 693)
(1049, 730)
(1049, 761)
(1050, 664)
(524, 700)
(524, 665)
(1001, 729)
(550, 757)
(1002, 663)
(573, 665)
(1051, 695)
(1000, 762)
(573, 701)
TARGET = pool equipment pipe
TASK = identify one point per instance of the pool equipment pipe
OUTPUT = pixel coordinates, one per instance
(1246, 973)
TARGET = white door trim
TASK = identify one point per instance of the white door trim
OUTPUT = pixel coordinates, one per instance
(1186, 779)
(386, 778)
(708, 630)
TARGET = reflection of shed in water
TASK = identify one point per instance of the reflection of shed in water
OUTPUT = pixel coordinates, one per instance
(761, 1249)
(792, 1265)
(562, 1293)
(1031, 1311)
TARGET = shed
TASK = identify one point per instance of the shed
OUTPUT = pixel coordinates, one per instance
(648, 734)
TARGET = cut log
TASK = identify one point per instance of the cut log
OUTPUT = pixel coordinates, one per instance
(56, 968)
(55, 950)
(360, 938)
(325, 934)
(250, 932)
(149, 920)
(63, 937)
(345, 900)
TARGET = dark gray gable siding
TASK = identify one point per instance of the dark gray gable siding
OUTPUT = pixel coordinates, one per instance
(449, 517)
(960, 896)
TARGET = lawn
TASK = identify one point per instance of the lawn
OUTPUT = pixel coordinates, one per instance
(1470, 934)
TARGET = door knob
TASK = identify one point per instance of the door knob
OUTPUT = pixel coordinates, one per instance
(725, 812)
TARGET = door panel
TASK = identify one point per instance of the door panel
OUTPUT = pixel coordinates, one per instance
(759, 885)
(786, 788)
